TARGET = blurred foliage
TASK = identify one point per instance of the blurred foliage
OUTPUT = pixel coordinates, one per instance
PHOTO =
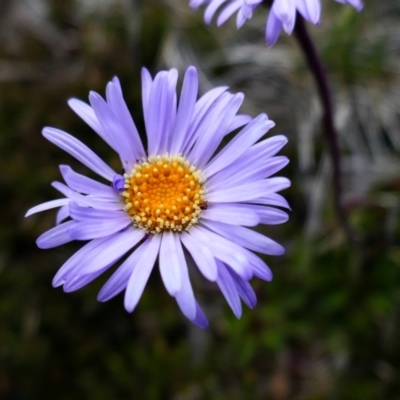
(327, 327)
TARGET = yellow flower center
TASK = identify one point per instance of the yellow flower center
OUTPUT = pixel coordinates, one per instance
(164, 193)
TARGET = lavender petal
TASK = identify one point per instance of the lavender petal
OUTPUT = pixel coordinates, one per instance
(62, 214)
(239, 144)
(201, 255)
(119, 280)
(141, 273)
(235, 214)
(85, 185)
(228, 289)
(169, 264)
(47, 206)
(56, 236)
(78, 150)
(248, 191)
(246, 237)
(185, 295)
(187, 104)
(244, 289)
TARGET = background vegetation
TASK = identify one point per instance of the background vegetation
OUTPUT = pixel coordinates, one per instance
(328, 325)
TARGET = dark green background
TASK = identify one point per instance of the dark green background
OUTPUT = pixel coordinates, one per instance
(326, 327)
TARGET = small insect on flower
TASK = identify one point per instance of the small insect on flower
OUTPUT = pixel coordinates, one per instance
(282, 13)
(175, 194)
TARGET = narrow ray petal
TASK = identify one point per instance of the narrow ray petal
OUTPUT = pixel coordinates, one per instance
(185, 296)
(119, 280)
(211, 10)
(79, 213)
(201, 255)
(118, 136)
(310, 10)
(187, 103)
(168, 119)
(225, 250)
(201, 108)
(247, 238)
(93, 229)
(249, 191)
(47, 206)
(248, 173)
(255, 158)
(156, 112)
(79, 281)
(200, 319)
(88, 115)
(146, 89)
(272, 29)
(285, 10)
(86, 200)
(269, 215)
(239, 144)
(227, 12)
(78, 150)
(62, 214)
(169, 264)
(244, 289)
(141, 273)
(77, 259)
(56, 236)
(214, 128)
(273, 199)
(228, 288)
(235, 214)
(117, 103)
(117, 246)
(259, 267)
(239, 121)
(83, 184)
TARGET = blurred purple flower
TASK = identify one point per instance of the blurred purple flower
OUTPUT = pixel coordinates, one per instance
(281, 15)
(178, 194)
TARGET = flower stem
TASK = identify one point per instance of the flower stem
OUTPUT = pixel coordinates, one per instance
(318, 72)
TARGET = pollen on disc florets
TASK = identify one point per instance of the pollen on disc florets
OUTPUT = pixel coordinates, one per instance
(164, 193)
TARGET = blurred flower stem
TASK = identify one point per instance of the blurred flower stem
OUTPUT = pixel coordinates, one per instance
(318, 71)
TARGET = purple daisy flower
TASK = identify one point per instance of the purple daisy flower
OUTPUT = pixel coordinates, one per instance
(281, 16)
(179, 193)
